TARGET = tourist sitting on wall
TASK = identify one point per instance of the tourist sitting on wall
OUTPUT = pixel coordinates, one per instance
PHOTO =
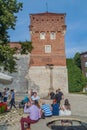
(52, 95)
(46, 109)
(34, 114)
(59, 95)
(38, 105)
(65, 110)
(35, 97)
(55, 108)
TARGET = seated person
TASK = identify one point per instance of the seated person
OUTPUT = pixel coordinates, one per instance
(55, 108)
(34, 114)
(22, 103)
(35, 96)
(65, 110)
(26, 107)
(52, 95)
(46, 109)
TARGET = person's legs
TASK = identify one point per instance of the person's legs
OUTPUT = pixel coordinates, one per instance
(28, 129)
(11, 104)
(27, 120)
(5, 99)
(14, 105)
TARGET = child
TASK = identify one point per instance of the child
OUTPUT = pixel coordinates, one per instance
(55, 108)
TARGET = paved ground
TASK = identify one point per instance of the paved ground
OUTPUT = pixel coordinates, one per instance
(11, 120)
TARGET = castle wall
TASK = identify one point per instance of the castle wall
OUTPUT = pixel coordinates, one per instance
(40, 80)
(20, 83)
(48, 70)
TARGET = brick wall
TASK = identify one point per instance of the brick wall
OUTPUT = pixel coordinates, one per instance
(47, 22)
(15, 44)
(83, 62)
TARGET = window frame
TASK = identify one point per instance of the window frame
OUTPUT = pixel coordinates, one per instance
(42, 35)
(52, 35)
(48, 48)
(86, 64)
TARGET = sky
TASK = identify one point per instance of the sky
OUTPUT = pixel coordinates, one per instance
(76, 21)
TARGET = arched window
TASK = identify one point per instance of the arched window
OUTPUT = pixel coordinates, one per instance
(42, 35)
(52, 35)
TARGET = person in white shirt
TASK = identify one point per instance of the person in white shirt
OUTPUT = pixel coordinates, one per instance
(35, 97)
(65, 110)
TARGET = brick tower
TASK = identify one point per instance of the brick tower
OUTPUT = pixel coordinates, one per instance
(48, 70)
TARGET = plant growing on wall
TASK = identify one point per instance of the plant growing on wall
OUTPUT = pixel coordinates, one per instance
(26, 47)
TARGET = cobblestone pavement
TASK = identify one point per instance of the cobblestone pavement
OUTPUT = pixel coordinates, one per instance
(11, 120)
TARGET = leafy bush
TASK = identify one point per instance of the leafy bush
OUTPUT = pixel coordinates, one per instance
(76, 79)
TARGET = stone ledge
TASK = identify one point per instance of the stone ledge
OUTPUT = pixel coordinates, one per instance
(42, 122)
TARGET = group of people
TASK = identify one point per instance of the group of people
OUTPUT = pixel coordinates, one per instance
(64, 105)
(6, 95)
(38, 109)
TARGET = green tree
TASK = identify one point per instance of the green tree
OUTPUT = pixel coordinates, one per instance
(7, 59)
(76, 79)
(77, 60)
(26, 47)
(8, 10)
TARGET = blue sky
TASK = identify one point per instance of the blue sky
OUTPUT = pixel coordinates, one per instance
(76, 21)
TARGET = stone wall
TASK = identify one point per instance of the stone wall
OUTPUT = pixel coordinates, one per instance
(20, 83)
(39, 79)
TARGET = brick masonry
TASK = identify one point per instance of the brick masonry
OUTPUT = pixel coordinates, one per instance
(41, 70)
(40, 75)
(48, 22)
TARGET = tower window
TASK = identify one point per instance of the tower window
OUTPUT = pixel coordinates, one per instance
(86, 74)
(42, 35)
(85, 64)
(85, 55)
(47, 48)
(52, 35)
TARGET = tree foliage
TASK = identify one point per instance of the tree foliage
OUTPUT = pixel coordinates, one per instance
(7, 59)
(8, 10)
(26, 47)
(77, 60)
(76, 79)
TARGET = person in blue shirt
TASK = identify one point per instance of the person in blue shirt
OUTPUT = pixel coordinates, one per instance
(12, 101)
(46, 109)
(55, 108)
